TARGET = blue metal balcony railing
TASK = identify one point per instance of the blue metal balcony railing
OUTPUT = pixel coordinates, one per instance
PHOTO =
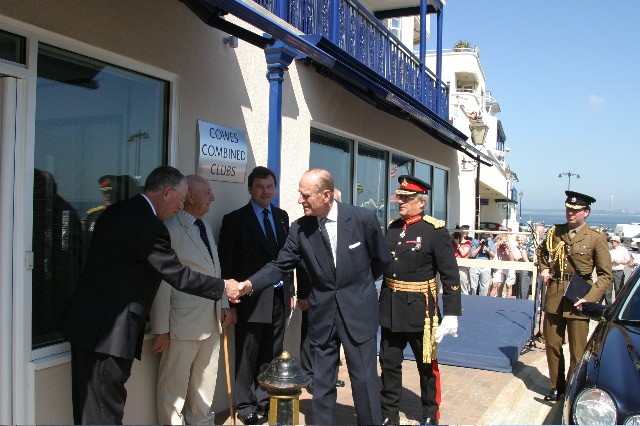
(355, 30)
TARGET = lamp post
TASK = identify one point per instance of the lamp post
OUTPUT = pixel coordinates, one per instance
(137, 138)
(569, 174)
(520, 194)
(511, 177)
(479, 132)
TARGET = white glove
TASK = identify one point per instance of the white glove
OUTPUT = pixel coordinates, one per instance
(449, 325)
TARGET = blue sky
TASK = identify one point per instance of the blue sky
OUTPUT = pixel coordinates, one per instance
(566, 76)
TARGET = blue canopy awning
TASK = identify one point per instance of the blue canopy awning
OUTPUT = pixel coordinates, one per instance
(332, 62)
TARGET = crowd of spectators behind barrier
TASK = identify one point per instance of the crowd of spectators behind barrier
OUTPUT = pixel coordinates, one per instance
(519, 247)
(503, 246)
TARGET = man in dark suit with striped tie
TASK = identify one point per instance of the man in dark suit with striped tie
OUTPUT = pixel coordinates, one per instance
(250, 237)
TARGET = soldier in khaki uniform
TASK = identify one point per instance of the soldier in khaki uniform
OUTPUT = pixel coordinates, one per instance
(570, 248)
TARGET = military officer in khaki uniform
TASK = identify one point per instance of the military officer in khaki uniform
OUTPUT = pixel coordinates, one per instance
(421, 248)
(570, 248)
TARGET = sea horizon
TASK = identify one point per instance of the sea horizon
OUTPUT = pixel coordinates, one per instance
(600, 218)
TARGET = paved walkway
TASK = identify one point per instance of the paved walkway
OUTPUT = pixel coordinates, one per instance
(470, 396)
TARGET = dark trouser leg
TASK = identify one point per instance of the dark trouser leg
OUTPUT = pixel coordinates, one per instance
(305, 345)
(554, 330)
(618, 282)
(525, 278)
(429, 380)
(391, 347)
(98, 390)
(248, 337)
(325, 369)
(270, 345)
(361, 366)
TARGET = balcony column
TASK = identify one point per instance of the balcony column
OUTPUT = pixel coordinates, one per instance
(439, 96)
(334, 22)
(280, 9)
(279, 56)
(423, 49)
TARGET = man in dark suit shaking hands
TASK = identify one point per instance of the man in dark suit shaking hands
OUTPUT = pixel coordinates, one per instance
(130, 254)
(344, 252)
(250, 237)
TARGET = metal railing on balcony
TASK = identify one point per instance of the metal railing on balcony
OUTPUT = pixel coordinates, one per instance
(355, 30)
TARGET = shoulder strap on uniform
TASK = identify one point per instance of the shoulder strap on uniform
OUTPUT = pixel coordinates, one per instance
(395, 220)
(95, 209)
(437, 223)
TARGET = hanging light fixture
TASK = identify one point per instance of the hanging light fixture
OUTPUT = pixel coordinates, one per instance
(478, 131)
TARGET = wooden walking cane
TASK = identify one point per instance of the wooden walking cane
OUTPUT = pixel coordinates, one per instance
(225, 344)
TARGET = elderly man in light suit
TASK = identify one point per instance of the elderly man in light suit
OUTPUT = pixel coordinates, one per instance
(187, 328)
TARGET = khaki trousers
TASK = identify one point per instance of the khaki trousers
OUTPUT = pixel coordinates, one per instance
(555, 327)
(186, 381)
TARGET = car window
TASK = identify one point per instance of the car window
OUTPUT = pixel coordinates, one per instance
(631, 308)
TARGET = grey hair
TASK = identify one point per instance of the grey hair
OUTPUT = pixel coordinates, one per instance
(323, 179)
(194, 180)
(163, 177)
(422, 197)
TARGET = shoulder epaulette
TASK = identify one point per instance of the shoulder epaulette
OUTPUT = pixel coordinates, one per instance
(598, 230)
(437, 223)
(394, 220)
(95, 209)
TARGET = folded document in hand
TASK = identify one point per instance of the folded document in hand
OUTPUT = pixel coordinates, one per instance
(578, 288)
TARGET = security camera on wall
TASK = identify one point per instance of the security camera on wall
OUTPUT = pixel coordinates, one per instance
(507, 149)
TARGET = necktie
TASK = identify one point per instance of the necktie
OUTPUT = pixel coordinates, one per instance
(327, 245)
(268, 230)
(203, 234)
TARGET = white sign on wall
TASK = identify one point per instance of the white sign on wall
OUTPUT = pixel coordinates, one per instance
(222, 152)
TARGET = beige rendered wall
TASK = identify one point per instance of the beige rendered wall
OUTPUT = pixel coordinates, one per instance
(225, 86)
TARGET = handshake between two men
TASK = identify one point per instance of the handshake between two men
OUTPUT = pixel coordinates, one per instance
(235, 290)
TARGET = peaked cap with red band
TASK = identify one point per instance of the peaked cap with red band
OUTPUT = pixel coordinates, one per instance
(410, 185)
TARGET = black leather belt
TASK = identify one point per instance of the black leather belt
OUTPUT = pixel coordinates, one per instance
(567, 277)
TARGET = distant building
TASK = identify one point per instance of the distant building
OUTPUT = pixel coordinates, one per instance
(462, 69)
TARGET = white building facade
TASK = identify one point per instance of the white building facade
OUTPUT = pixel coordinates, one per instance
(114, 89)
(487, 194)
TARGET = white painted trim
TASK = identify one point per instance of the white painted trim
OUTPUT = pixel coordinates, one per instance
(8, 95)
(23, 395)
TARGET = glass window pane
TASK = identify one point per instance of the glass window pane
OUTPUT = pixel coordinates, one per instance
(439, 191)
(13, 47)
(370, 181)
(99, 131)
(333, 153)
(424, 172)
(399, 166)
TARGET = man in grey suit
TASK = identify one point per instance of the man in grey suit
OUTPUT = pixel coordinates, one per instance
(187, 328)
(344, 251)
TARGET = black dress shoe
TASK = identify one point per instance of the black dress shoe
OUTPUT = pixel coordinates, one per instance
(553, 395)
(310, 389)
(388, 422)
(429, 421)
(249, 419)
(339, 383)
